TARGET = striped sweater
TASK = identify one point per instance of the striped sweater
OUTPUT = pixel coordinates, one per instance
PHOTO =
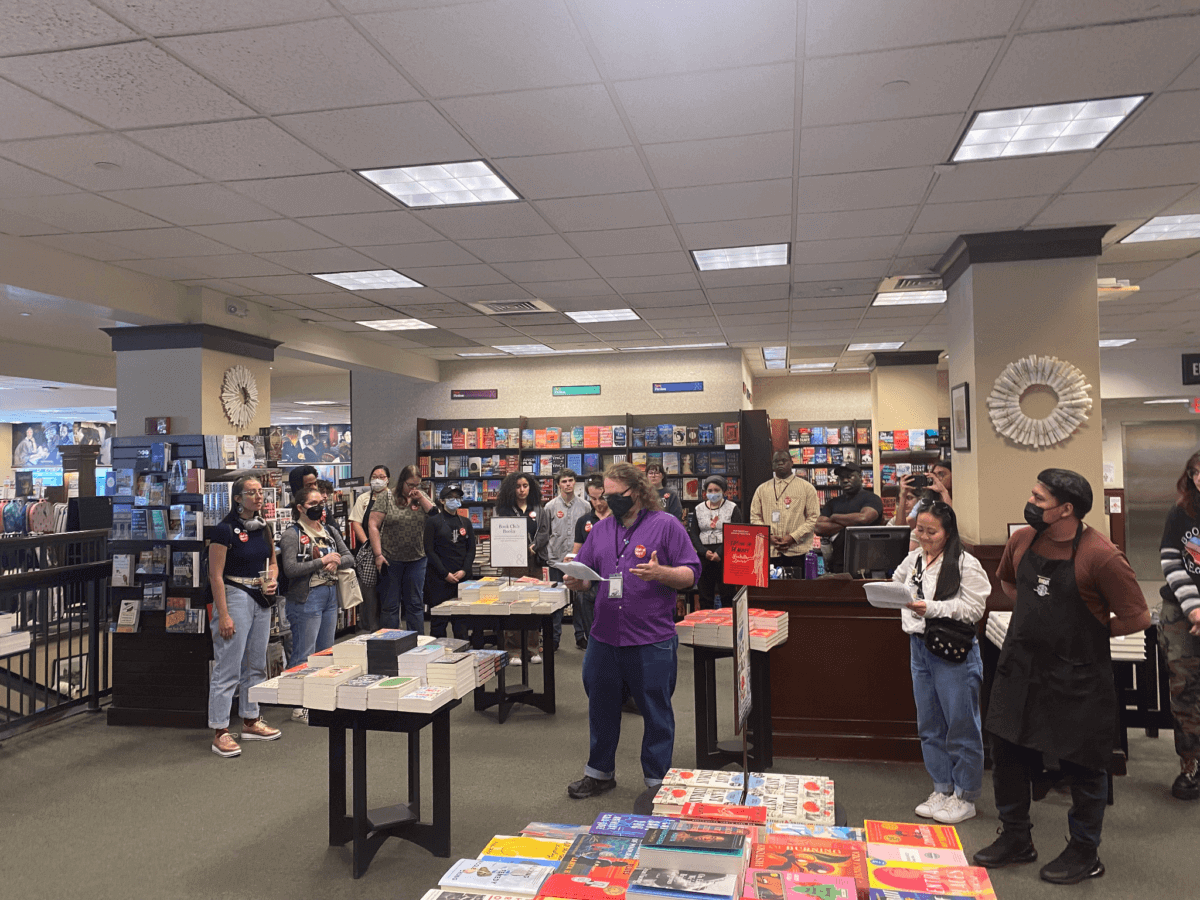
(1179, 554)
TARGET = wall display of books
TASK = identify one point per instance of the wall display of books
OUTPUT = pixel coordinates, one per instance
(817, 448)
(905, 451)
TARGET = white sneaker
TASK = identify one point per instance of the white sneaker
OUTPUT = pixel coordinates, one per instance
(514, 660)
(954, 810)
(300, 713)
(935, 801)
(536, 659)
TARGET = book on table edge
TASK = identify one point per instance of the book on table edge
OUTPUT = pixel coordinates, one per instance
(683, 837)
(912, 834)
(553, 830)
(683, 884)
(596, 846)
(582, 887)
(958, 881)
(760, 884)
(627, 824)
(604, 868)
(522, 849)
(801, 854)
(475, 876)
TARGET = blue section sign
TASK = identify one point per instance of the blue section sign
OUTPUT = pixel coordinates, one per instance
(677, 387)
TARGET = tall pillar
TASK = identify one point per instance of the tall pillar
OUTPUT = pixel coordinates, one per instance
(177, 371)
(904, 396)
(1011, 295)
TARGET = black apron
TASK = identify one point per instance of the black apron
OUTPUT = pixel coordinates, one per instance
(1054, 689)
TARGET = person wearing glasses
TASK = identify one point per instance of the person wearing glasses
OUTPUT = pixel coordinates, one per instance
(397, 533)
(945, 581)
(644, 557)
(1179, 624)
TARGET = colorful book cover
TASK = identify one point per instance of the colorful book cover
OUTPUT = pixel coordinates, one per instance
(960, 881)
(480, 876)
(929, 856)
(524, 849)
(582, 887)
(837, 832)
(555, 831)
(598, 846)
(591, 436)
(683, 883)
(681, 837)
(814, 856)
(627, 824)
(620, 436)
(862, 434)
(766, 885)
(910, 834)
(885, 440)
(724, 812)
(891, 894)
(597, 868)
(577, 436)
(900, 439)
(606, 436)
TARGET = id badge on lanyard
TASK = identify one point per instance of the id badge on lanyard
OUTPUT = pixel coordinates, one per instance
(616, 585)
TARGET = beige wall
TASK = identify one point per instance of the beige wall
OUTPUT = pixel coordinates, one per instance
(902, 398)
(748, 381)
(1001, 312)
(815, 398)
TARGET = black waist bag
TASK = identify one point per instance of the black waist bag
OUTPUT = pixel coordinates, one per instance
(949, 639)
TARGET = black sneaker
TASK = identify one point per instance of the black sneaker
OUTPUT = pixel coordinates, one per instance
(1186, 786)
(587, 786)
(1077, 862)
(1010, 848)
(581, 643)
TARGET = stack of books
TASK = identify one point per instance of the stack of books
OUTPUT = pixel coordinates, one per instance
(291, 684)
(425, 699)
(384, 646)
(353, 694)
(351, 652)
(714, 628)
(787, 798)
(321, 688)
(416, 662)
(265, 691)
(322, 659)
(386, 693)
(488, 663)
(455, 671)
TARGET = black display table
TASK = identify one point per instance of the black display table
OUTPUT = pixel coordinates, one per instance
(711, 754)
(505, 696)
(368, 829)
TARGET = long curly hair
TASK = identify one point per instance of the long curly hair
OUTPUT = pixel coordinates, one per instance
(1189, 498)
(507, 497)
(633, 477)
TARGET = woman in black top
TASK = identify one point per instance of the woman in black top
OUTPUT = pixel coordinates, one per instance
(242, 573)
(1179, 624)
(520, 496)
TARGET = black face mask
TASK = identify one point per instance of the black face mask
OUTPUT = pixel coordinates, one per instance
(315, 512)
(619, 504)
(1033, 517)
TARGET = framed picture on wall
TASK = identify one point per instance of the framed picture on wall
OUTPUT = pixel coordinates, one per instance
(960, 417)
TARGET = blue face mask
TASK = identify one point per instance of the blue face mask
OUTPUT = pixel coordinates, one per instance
(715, 496)
(452, 504)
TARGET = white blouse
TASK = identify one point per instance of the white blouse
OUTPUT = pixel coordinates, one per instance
(966, 606)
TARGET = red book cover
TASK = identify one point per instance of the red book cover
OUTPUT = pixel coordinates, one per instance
(591, 435)
(731, 432)
(900, 439)
(761, 885)
(746, 555)
(539, 439)
(815, 856)
(910, 834)
(958, 881)
(582, 887)
(720, 812)
(459, 439)
(606, 435)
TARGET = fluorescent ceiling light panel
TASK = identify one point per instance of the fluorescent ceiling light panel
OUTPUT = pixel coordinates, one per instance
(1166, 228)
(908, 298)
(1172, 400)
(1116, 342)
(810, 367)
(467, 355)
(774, 353)
(376, 280)
(775, 363)
(675, 346)
(316, 403)
(447, 184)
(741, 257)
(522, 349)
(604, 315)
(883, 345)
(856, 369)
(1033, 130)
(396, 324)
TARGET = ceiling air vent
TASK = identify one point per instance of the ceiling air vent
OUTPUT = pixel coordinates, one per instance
(512, 307)
(915, 283)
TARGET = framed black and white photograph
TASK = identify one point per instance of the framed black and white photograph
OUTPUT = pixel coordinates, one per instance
(960, 416)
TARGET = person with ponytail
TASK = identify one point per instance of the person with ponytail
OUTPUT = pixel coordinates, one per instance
(945, 582)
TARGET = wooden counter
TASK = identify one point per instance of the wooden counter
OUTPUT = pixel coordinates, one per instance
(840, 684)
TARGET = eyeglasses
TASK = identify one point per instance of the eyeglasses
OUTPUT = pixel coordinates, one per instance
(412, 484)
(257, 493)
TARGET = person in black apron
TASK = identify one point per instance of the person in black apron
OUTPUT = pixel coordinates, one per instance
(1053, 692)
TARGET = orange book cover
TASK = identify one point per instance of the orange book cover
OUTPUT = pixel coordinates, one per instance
(958, 881)
(591, 435)
(911, 834)
(539, 439)
(815, 856)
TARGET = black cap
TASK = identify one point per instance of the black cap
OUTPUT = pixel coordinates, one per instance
(449, 490)
(718, 480)
(847, 467)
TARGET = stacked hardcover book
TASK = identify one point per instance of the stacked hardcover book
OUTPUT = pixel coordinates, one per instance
(455, 671)
(321, 688)
(425, 699)
(387, 693)
(353, 693)
(383, 648)
(714, 628)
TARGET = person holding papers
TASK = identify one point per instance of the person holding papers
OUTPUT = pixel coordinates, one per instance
(945, 582)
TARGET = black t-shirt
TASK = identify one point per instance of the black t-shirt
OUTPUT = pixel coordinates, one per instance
(841, 505)
(584, 526)
(249, 552)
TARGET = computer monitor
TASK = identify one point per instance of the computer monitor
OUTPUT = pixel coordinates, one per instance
(874, 551)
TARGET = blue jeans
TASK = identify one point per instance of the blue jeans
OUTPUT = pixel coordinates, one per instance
(646, 673)
(313, 622)
(241, 661)
(947, 696)
(404, 583)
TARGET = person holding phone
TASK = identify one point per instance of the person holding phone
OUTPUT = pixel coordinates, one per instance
(397, 533)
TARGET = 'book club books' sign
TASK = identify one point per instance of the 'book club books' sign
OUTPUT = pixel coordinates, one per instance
(746, 554)
(510, 541)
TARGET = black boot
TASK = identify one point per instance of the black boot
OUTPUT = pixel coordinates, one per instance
(587, 786)
(1077, 862)
(1186, 786)
(1010, 848)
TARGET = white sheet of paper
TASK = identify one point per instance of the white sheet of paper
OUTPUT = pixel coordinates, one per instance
(887, 594)
(577, 570)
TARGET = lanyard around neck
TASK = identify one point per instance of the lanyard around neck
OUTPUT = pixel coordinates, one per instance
(620, 553)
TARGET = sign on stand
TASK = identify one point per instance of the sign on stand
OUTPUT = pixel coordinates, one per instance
(747, 559)
(510, 541)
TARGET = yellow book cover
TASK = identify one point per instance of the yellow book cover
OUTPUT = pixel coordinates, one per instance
(521, 848)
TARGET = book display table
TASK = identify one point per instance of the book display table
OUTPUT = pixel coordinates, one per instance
(368, 829)
(711, 753)
(507, 695)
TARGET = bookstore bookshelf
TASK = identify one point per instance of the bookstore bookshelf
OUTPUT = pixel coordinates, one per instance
(906, 451)
(818, 448)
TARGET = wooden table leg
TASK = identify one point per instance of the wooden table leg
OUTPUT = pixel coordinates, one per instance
(441, 784)
(548, 654)
(337, 786)
(361, 857)
(414, 772)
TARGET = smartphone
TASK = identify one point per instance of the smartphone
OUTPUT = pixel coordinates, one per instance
(920, 481)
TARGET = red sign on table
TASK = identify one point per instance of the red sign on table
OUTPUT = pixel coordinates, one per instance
(746, 554)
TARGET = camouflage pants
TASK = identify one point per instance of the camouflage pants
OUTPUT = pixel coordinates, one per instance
(1182, 651)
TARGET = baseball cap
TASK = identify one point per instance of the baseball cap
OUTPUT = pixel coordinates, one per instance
(846, 467)
(449, 490)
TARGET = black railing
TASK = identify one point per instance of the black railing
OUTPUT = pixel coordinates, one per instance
(56, 586)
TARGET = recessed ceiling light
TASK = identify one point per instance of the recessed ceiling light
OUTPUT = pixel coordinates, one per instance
(908, 298)
(834, 290)
(604, 315)
(1116, 342)
(1031, 130)
(674, 346)
(1166, 228)
(774, 352)
(396, 324)
(775, 363)
(27, 314)
(810, 367)
(741, 257)
(316, 403)
(1172, 400)
(856, 369)
(375, 280)
(586, 350)
(522, 349)
(447, 184)
(881, 345)
(466, 355)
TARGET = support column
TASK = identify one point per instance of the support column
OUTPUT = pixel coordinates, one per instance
(1011, 295)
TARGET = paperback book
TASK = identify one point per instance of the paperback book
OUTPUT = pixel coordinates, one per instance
(475, 876)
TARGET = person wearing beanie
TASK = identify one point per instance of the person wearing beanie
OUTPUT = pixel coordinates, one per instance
(705, 526)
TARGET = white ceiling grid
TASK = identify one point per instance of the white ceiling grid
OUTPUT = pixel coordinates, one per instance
(636, 131)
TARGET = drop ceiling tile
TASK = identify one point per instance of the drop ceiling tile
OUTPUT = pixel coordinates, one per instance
(699, 331)
(843, 251)
(940, 79)
(73, 158)
(350, 326)
(643, 264)
(633, 210)
(654, 299)
(933, 243)
(679, 313)
(453, 276)
(404, 297)
(1183, 275)
(655, 239)
(359, 229)
(502, 220)
(753, 307)
(704, 105)
(979, 216)
(1172, 118)
(773, 293)
(263, 237)
(1189, 205)
(316, 195)
(1144, 251)
(277, 304)
(1140, 167)
(742, 319)
(235, 265)
(172, 269)
(737, 233)
(877, 24)
(612, 171)
(1135, 272)
(402, 134)
(81, 212)
(583, 287)
(552, 330)
(859, 223)
(654, 283)
(434, 253)
(1189, 80)
(83, 245)
(496, 335)
(867, 146)
(28, 116)
(1108, 206)
(435, 337)
(721, 202)
(482, 292)
(123, 86)
(551, 120)
(40, 25)
(224, 287)
(1105, 61)
(362, 311)
(292, 68)
(520, 249)
(774, 275)
(910, 265)
(22, 225)
(192, 204)
(19, 181)
(755, 157)
(546, 270)
(999, 179)
(224, 151)
(164, 242)
(637, 39)
(214, 15)
(334, 259)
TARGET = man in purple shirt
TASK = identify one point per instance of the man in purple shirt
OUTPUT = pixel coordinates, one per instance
(644, 556)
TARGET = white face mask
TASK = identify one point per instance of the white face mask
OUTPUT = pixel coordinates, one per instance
(715, 497)
(378, 484)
